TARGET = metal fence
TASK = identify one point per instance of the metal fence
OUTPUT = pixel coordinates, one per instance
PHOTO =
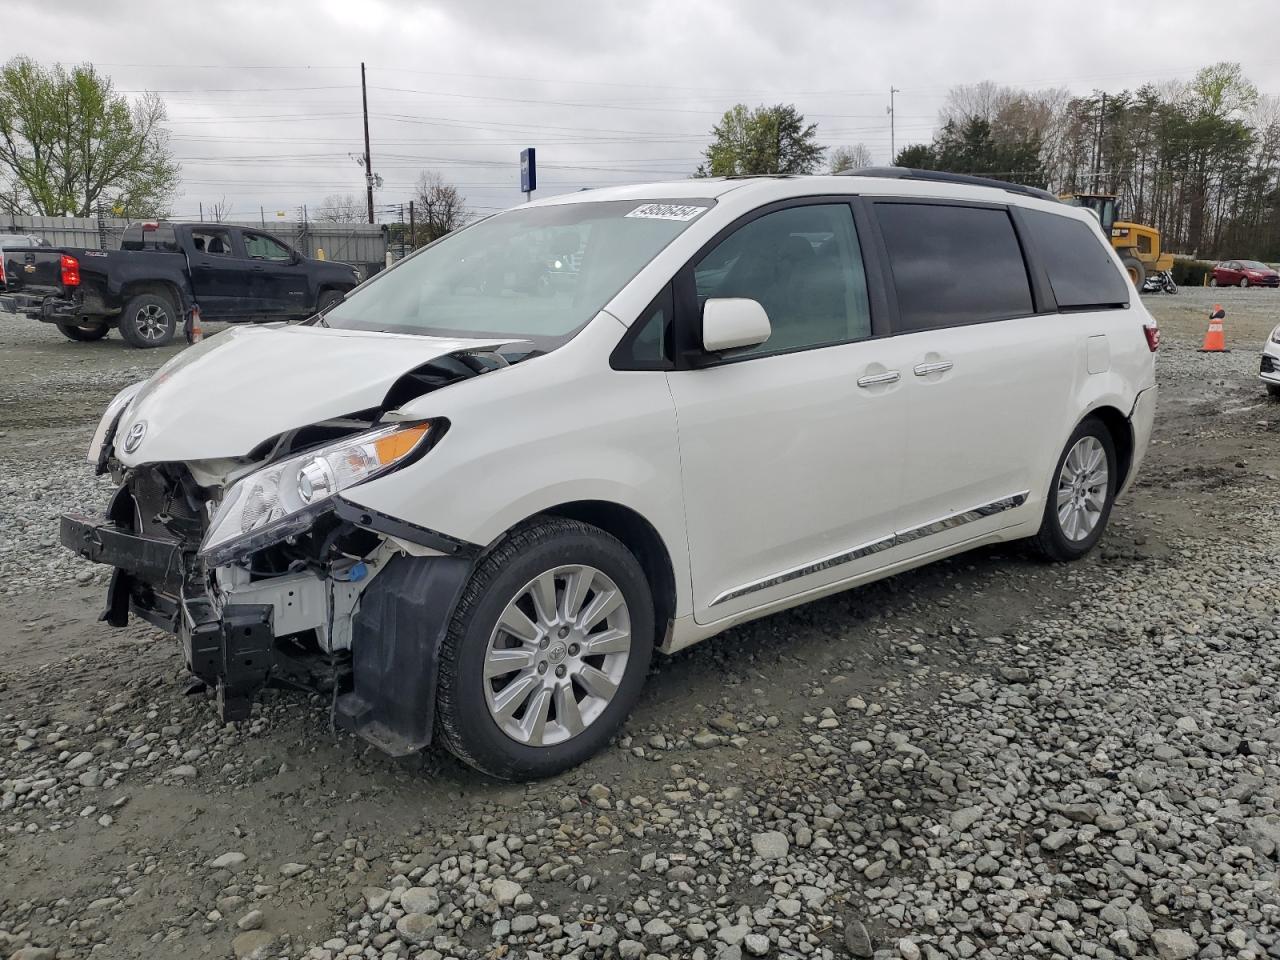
(361, 244)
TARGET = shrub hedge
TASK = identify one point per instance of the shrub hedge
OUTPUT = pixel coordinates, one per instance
(1191, 273)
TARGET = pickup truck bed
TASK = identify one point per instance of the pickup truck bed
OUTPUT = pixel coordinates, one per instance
(148, 288)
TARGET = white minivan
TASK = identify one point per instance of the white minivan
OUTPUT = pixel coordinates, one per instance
(473, 498)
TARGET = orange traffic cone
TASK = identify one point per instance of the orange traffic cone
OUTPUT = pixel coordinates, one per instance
(195, 332)
(1214, 341)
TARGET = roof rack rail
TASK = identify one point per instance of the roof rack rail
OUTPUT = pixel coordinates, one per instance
(942, 176)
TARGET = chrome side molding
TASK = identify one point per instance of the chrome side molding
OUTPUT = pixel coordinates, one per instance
(948, 522)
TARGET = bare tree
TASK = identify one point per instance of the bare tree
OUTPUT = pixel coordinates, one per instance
(440, 207)
(220, 209)
(336, 208)
(850, 158)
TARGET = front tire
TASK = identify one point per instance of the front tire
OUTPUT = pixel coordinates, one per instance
(327, 299)
(83, 332)
(1273, 389)
(1081, 494)
(148, 320)
(1244, 282)
(1137, 271)
(547, 651)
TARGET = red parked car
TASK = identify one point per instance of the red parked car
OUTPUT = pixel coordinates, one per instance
(1243, 273)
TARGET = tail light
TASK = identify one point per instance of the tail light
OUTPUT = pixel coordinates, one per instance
(2, 279)
(70, 271)
(1153, 336)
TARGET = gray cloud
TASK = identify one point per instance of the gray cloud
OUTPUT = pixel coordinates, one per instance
(265, 102)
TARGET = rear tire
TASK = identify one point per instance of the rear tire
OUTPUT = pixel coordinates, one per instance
(148, 320)
(1213, 281)
(562, 703)
(1081, 493)
(83, 332)
(1137, 271)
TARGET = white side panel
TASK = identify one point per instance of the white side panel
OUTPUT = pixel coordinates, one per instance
(991, 425)
(788, 464)
(551, 430)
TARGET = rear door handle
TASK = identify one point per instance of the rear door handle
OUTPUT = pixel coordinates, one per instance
(938, 366)
(879, 379)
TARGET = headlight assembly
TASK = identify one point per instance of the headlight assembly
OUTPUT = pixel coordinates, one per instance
(1275, 335)
(109, 418)
(283, 498)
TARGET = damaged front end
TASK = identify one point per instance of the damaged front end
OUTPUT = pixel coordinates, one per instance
(258, 565)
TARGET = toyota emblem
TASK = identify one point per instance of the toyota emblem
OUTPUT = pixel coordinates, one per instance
(134, 437)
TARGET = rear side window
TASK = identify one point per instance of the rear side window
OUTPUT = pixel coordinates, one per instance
(953, 265)
(1080, 267)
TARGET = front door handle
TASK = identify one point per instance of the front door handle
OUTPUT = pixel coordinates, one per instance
(879, 379)
(938, 366)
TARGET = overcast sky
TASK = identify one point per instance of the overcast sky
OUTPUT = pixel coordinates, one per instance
(264, 96)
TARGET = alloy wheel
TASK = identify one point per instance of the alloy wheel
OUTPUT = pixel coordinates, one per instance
(151, 322)
(1082, 488)
(557, 655)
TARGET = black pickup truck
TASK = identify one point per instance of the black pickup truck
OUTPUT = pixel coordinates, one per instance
(148, 287)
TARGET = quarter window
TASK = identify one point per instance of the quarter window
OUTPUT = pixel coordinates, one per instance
(804, 266)
(1081, 271)
(953, 264)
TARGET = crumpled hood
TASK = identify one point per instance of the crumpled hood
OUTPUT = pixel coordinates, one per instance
(225, 395)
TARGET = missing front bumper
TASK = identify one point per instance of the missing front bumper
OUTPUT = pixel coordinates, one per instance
(231, 649)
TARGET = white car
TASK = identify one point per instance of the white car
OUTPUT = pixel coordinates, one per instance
(473, 502)
(1269, 370)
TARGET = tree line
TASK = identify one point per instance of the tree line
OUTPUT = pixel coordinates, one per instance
(1198, 160)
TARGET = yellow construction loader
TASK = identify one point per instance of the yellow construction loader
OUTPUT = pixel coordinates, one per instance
(1137, 245)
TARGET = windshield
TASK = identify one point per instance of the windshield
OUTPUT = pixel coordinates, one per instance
(537, 274)
(1253, 265)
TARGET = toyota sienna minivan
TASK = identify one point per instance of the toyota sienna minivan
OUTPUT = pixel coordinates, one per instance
(474, 497)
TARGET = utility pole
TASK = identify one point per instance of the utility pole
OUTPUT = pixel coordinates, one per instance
(368, 163)
(893, 147)
(1097, 152)
(413, 233)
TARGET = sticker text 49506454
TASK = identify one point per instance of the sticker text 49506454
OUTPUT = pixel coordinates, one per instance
(666, 211)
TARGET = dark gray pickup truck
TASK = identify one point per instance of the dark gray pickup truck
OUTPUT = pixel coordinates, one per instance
(148, 287)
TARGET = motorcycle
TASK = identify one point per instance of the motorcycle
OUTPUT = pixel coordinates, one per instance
(1161, 282)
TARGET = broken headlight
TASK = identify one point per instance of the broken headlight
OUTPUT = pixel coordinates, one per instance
(284, 498)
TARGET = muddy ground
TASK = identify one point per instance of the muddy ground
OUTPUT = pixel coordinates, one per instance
(118, 864)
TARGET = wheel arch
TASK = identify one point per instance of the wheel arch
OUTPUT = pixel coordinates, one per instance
(163, 288)
(645, 543)
(1121, 430)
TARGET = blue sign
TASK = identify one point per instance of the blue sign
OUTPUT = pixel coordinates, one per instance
(528, 170)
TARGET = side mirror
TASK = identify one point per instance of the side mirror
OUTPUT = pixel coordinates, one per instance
(732, 322)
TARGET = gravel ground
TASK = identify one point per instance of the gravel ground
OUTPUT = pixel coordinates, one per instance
(988, 757)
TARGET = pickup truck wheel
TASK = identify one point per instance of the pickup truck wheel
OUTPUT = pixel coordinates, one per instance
(547, 650)
(148, 320)
(328, 299)
(83, 331)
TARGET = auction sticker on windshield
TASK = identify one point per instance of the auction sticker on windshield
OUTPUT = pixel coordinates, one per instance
(666, 211)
